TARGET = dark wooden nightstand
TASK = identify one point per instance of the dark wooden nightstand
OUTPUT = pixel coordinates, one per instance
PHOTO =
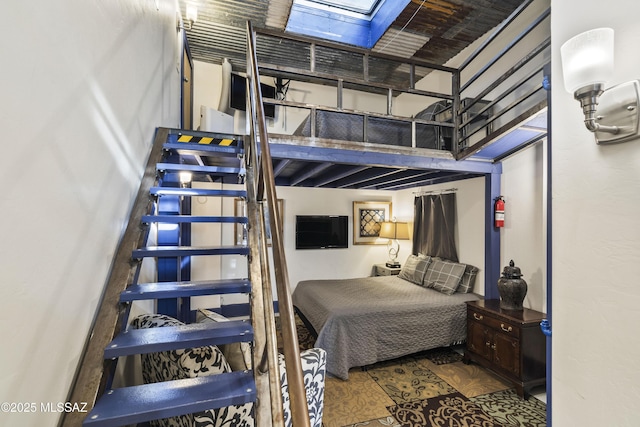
(383, 270)
(509, 343)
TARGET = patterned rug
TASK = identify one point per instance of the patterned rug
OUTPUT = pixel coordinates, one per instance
(441, 356)
(451, 410)
(306, 339)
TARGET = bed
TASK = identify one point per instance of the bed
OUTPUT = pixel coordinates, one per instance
(367, 320)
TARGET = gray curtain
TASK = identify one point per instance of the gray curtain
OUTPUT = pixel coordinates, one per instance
(434, 226)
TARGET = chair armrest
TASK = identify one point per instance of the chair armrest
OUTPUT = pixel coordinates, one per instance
(314, 363)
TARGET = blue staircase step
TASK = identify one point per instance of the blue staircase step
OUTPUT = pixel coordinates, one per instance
(204, 192)
(205, 138)
(193, 335)
(144, 291)
(182, 251)
(147, 402)
(175, 219)
(203, 150)
(181, 167)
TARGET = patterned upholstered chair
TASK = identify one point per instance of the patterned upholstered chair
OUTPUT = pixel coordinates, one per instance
(209, 360)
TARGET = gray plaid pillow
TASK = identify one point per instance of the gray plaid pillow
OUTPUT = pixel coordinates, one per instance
(468, 279)
(414, 269)
(444, 276)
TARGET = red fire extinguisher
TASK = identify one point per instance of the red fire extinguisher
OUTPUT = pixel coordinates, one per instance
(499, 212)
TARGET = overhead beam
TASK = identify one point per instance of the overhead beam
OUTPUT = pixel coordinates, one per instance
(437, 178)
(336, 176)
(362, 153)
(304, 175)
(398, 179)
(279, 167)
(365, 176)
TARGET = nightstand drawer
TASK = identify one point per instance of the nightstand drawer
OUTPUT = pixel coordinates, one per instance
(383, 270)
(499, 325)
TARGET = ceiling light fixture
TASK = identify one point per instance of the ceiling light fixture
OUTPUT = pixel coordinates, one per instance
(587, 65)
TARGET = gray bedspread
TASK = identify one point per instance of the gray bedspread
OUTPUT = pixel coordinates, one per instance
(367, 320)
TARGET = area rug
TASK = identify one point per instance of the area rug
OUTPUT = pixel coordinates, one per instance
(406, 380)
(449, 410)
(441, 355)
(306, 339)
(471, 380)
(348, 402)
(509, 409)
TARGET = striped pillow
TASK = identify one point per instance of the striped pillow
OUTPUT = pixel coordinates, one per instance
(414, 269)
(444, 276)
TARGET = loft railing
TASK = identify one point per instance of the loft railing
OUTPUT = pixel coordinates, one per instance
(515, 74)
(495, 90)
(350, 68)
(261, 196)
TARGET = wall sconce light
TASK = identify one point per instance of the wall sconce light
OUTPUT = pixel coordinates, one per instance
(587, 64)
(192, 17)
(185, 178)
(394, 231)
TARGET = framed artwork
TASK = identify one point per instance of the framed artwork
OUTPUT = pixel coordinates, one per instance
(240, 231)
(367, 217)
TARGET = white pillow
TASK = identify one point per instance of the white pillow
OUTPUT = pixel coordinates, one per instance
(238, 354)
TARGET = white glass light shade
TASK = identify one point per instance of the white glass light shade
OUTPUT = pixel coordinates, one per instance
(587, 59)
(192, 13)
(185, 177)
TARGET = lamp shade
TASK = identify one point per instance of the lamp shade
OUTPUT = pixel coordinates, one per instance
(587, 59)
(394, 230)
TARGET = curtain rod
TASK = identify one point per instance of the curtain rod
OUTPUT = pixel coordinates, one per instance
(448, 190)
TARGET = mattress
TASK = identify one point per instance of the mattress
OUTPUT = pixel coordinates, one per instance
(368, 320)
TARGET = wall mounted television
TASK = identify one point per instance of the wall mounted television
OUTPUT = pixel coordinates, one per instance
(322, 231)
(238, 95)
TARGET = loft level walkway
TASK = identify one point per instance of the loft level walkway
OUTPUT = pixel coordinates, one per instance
(328, 163)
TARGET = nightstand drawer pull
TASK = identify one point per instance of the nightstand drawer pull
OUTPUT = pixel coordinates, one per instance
(509, 329)
(478, 317)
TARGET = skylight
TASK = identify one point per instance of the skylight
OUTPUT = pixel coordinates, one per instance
(356, 22)
(364, 7)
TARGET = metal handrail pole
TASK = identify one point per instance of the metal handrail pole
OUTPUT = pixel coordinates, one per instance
(297, 391)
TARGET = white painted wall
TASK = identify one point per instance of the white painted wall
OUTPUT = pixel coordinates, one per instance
(596, 239)
(207, 80)
(522, 239)
(354, 261)
(83, 87)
